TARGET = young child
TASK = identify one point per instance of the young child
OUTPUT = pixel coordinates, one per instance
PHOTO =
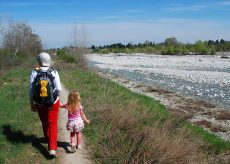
(75, 119)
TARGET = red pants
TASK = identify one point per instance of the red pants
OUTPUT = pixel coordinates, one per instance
(49, 119)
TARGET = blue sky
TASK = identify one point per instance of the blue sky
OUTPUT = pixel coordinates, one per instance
(124, 21)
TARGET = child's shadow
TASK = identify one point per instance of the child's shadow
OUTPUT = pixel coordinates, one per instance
(64, 145)
(19, 137)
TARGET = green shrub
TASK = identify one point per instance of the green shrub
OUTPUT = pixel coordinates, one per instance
(67, 57)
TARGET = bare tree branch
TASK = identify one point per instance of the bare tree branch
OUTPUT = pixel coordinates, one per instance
(79, 44)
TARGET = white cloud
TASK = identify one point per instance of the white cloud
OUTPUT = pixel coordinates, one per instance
(225, 3)
(29, 4)
(24, 4)
(187, 7)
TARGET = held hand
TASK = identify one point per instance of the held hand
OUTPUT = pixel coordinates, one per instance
(62, 105)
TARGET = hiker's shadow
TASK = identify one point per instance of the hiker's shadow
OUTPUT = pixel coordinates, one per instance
(15, 137)
(64, 145)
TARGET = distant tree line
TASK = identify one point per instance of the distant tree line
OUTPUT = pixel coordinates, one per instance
(171, 46)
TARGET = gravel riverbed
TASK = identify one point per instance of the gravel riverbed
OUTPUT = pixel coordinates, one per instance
(193, 87)
(205, 77)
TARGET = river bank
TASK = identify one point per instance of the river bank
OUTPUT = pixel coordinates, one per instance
(183, 84)
(205, 77)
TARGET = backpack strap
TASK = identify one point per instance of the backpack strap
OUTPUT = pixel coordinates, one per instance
(52, 77)
(49, 70)
(36, 68)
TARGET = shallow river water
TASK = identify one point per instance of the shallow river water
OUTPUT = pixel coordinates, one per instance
(205, 77)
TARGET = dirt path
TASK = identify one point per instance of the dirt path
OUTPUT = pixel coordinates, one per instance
(65, 156)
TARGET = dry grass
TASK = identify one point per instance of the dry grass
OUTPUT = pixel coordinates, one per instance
(209, 125)
(134, 142)
(180, 113)
(223, 115)
(158, 90)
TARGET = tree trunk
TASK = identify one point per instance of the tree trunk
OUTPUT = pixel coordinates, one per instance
(16, 51)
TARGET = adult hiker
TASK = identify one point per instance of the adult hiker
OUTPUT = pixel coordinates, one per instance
(45, 88)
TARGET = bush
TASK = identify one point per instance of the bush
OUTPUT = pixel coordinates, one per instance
(7, 61)
(65, 56)
(148, 49)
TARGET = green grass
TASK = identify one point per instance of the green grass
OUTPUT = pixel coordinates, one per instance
(125, 126)
(214, 143)
(103, 99)
(20, 128)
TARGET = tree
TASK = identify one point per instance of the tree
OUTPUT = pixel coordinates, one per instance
(93, 47)
(19, 37)
(172, 41)
(79, 44)
(222, 41)
(200, 47)
(211, 42)
(1, 31)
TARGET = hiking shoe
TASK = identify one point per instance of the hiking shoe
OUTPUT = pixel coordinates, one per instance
(53, 153)
(73, 148)
(79, 147)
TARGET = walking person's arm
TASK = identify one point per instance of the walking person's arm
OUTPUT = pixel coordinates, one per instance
(63, 105)
(84, 117)
(32, 105)
(57, 82)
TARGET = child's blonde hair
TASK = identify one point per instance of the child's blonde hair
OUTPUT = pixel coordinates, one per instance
(74, 101)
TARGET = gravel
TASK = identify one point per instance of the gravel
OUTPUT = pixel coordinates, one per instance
(204, 77)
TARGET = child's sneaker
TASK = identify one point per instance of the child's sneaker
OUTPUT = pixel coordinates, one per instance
(53, 153)
(79, 147)
(73, 148)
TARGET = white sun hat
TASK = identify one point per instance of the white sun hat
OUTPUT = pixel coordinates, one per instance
(45, 59)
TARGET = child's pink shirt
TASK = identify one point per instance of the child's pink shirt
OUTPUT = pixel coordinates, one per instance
(74, 116)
